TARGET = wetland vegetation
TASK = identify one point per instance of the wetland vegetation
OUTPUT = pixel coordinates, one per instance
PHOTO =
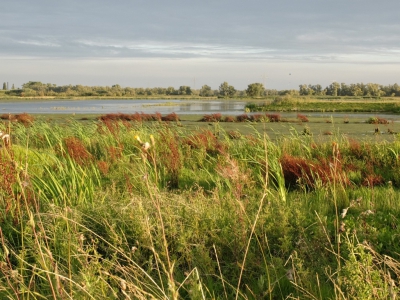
(161, 207)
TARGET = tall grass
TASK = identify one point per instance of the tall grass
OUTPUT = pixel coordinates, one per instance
(125, 210)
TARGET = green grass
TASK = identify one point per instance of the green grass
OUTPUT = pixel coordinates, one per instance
(87, 213)
(315, 105)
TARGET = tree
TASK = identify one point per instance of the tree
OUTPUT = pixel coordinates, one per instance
(206, 91)
(355, 90)
(333, 89)
(184, 90)
(4, 86)
(171, 91)
(226, 90)
(255, 90)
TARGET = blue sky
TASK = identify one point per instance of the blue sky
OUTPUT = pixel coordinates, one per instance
(171, 43)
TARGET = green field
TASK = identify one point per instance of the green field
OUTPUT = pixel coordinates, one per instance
(108, 209)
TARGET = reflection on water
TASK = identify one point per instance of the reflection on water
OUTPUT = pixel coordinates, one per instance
(233, 107)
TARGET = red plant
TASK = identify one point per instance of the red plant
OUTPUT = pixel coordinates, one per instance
(10, 176)
(172, 117)
(205, 140)
(24, 118)
(257, 117)
(229, 119)
(273, 117)
(76, 150)
(170, 157)
(301, 170)
(302, 118)
(243, 118)
(355, 148)
(111, 125)
(233, 134)
(103, 167)
(115, 152)
(211, 118)
(372, 180)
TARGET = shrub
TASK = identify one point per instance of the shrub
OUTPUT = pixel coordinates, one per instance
(229, 119)
(211, 118)
(243, 118)
(302, 118)
(172, 117)
(377, 120)
(273, 117)
(259, 118)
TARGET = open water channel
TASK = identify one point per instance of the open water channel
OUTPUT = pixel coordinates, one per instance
(200, 107)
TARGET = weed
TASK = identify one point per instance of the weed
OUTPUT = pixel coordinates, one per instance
(302, 118)
(77, 150)
(211, 118)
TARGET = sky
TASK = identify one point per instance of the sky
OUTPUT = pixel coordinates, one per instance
(135, 43)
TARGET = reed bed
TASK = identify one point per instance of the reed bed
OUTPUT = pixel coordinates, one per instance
(120, 209)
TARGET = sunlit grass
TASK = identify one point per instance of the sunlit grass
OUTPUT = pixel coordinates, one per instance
(132, 210)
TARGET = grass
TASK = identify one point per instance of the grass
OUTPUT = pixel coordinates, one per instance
(304, 104)
(89, 211)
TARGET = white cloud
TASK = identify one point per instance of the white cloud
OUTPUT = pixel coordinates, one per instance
(39, 43)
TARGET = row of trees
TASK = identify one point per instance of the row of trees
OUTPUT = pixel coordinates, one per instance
(358, 89)
(225, 90)
(5, 86)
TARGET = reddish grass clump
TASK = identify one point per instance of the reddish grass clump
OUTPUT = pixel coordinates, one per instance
(77, 150)
(302, 118)
(243, 118)
(377, 120)
(273, 117)
(115, 153)
(301, 170)
(205, 139)
(24, 118)
(212, 118)
(257, 118)
(111, 125)
(229, 119)
(10, 176)
(103, 167)
(172, 117)
(170, 157)
(372, 180)
(136, 117)
(234, 135)
(355, 148)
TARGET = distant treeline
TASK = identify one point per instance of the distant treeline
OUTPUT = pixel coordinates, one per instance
(38, 89)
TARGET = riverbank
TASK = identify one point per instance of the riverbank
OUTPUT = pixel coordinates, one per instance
(389, 105)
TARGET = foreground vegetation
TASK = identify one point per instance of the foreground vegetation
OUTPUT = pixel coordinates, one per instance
(123, 209)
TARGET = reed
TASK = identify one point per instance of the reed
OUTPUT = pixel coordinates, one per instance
(127, 210)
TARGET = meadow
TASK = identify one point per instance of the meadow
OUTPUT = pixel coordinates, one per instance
(154, 207)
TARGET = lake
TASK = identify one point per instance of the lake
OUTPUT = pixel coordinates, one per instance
(123, 106)
(200, 107)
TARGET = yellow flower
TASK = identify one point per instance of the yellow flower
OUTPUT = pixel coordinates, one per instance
(153, 142)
